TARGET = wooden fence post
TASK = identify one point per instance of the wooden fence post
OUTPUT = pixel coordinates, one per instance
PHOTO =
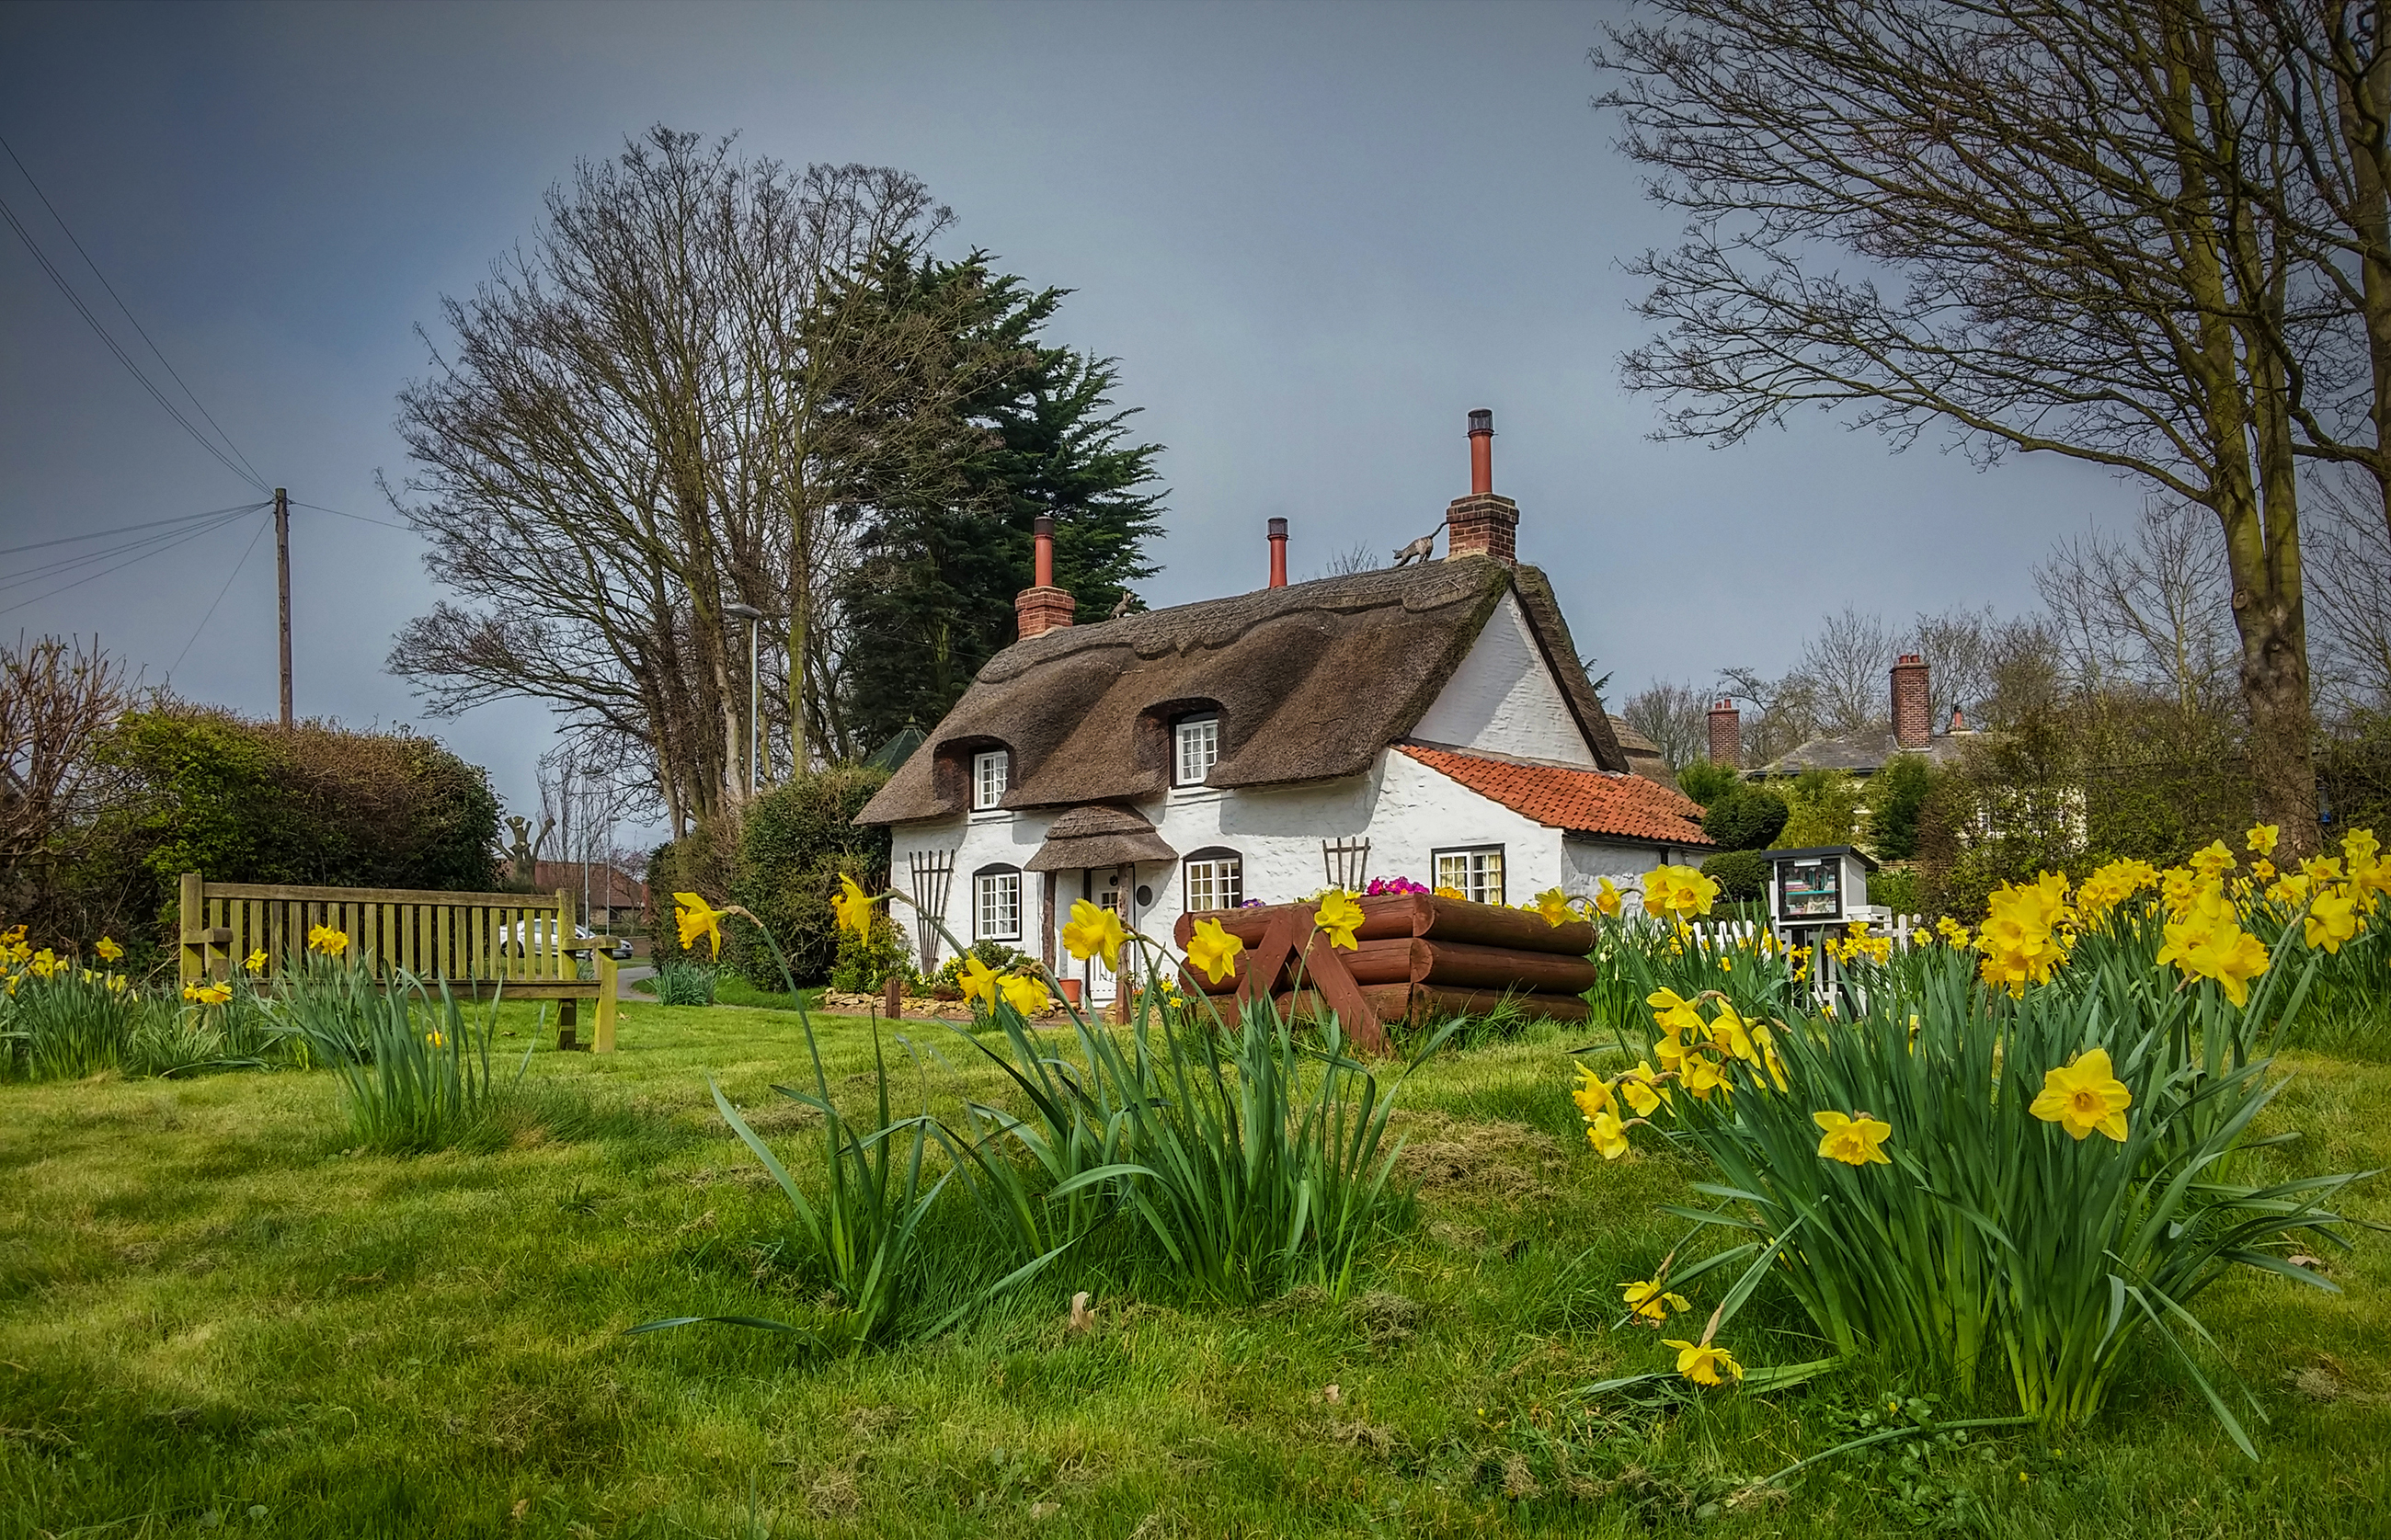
(193, 916)
(603, 1041)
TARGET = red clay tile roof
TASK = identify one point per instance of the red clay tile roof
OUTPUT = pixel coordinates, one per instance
(1583, 801)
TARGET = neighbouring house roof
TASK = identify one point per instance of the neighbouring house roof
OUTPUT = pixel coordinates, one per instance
(609, 888)
(1864, 753)
(1608, 804)
(1099, 837)
(1312, 681)
(1643, 755)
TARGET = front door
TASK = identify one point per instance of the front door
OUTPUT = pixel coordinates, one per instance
(1105, 890)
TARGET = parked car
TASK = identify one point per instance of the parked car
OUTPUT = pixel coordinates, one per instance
(536, 934)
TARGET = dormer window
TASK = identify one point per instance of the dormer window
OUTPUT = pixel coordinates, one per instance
(1197, 741)
(989, 776)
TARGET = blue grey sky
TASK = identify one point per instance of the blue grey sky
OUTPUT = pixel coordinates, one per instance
(1315, 235)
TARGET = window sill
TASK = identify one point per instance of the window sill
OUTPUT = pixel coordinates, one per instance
(1197, 793)
(990, 815)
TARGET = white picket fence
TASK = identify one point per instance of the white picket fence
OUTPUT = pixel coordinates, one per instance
(1907, 931)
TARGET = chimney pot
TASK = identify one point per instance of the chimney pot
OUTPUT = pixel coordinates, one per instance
(1041, 606)
(1913, 710)
(1278, 553)
(1481, 452)
(1482, 523)
(1726, 734)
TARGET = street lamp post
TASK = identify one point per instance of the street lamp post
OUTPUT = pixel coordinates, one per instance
(754, 619)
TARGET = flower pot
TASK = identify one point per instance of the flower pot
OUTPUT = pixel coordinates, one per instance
(1070, 991)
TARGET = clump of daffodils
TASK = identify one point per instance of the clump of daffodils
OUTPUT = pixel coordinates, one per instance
(2024, 935)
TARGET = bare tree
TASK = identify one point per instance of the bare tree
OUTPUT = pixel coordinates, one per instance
(1783, 713)
(2353, 595)
(1846, 664)
(1958, 646)
(631, 433)
(2147, 234)
(1674, 717)
(2152, 613)
(1362, 557)
(57, 698)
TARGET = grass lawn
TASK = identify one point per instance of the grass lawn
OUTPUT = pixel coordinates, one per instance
(215, 1319)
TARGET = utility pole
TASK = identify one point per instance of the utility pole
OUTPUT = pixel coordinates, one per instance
(282, 584)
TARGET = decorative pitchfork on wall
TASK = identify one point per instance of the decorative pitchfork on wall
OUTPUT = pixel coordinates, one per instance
(934, 870)
(1348, 863)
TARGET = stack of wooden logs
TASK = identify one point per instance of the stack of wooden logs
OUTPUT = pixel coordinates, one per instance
(1419, 958)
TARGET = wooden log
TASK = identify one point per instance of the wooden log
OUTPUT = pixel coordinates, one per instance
(1420, 1004)
(1455, 965)
(1393, 915)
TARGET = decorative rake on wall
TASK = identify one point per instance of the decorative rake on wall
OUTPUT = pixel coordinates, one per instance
(1347, 863)
(934, 873)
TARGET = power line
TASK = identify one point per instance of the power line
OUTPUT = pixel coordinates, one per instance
(403, 529)
(127, 529)
(20, 577)
(245, 553)
(122, 356)
(258, 481)
(166, 545)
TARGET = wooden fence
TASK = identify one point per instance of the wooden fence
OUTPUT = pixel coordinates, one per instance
(482, 944)
(1907, 931)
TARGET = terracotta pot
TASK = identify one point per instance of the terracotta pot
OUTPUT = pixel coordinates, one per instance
(1070, 991)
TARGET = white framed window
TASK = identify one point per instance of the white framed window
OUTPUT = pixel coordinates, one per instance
(989, 776)
(1476, 873)
(1215, 880)
(996, 904)
(1197, 746)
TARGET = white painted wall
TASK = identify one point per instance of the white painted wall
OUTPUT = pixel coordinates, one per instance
(1504, 699)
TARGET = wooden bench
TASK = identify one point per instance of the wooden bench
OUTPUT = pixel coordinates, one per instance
(518, 945)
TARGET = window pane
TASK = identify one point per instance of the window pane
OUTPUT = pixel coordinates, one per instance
(1215, 884)
(998, 916)
(1199, 749)
(1453, 871)
(1490, 876)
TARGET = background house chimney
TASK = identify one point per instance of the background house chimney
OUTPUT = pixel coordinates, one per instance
(1726, 734)
(1482, 523)
(1278, 553)
(1913, 714)
(1042, 607)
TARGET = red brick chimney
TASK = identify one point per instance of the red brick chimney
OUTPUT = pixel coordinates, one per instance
(1042, 607)
(1482, 523)
(1913, 714)
(1726, 734)
(1278, 553)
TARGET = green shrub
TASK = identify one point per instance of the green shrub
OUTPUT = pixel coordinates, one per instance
(782, 861)
(1896, 797)
(865, 962)
(196, 788)
(991, 953)
(1743, 875)
(1895, 889)
(1747, 818)
(1708, 783)
(1823, 808)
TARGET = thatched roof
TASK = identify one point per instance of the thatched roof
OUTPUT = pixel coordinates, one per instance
(1312, 682)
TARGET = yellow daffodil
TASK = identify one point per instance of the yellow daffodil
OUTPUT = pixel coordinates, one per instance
(436, 1039)
(1651, 1301)
(2212, 861)
(1592, 1095)
(1700, 1075)
(2085, 1096)
(1214, 950)
(255, 961)
(1340, 916)
(108, 950)
(117, 983)
(852, 906)
(2204, 942)
(1855, 1141)
(696, 917)
(1704, 1364)
(208, 994)
(2262, 838)
(1027, 994)
(2263, 871)
(978, 980)
(2332, 919)
(1606, 899)
(1678, 893)
(324, 939)
(1731, 1036)
(1095, 932)
(2323, 870)
(1643, 1089)
(1453, 893)
(1608, 1135)
(1553, 905)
